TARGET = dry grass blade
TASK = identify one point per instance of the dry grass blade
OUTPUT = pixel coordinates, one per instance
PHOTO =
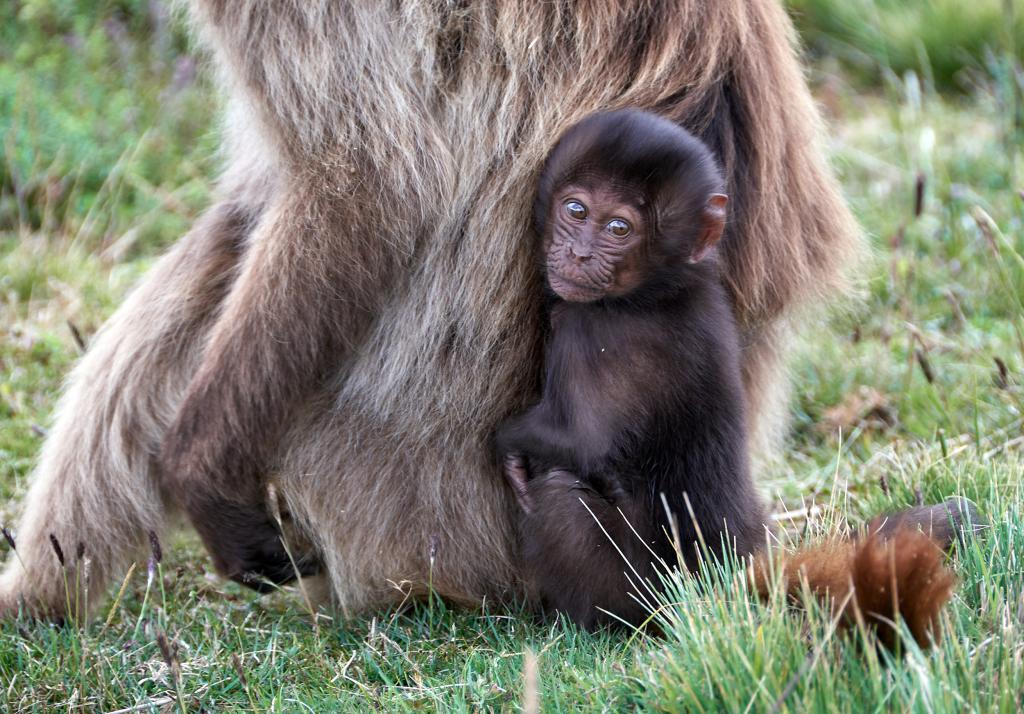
(531, 686)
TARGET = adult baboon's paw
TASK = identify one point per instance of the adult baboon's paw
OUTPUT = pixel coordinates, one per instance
(261, 562)
(247, 547)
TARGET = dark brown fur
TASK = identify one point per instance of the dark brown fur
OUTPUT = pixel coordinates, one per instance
(641, 423)
(585, 550)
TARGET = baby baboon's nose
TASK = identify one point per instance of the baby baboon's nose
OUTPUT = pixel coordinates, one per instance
(580, 253)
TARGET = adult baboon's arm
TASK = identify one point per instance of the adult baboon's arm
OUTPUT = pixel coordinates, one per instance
(303, 295)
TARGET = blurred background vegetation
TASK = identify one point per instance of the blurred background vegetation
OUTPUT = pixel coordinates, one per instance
(948, 42)
(104, 119)
(108, 124)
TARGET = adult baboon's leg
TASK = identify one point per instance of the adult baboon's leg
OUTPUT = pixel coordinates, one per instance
(94, 489)
(304, 294)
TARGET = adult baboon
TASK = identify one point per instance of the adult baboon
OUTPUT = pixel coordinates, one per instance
(358, 310)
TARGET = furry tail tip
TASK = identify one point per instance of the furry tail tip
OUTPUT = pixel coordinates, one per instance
(873, 582)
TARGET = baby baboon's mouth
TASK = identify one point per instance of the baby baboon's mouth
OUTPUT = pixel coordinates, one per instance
(573, 291)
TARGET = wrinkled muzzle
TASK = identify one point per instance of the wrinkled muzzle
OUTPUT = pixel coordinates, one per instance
(577, 273)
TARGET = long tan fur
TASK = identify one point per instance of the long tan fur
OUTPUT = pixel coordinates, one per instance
(359, 309)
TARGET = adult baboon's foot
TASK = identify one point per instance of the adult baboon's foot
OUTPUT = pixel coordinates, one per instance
(247, 546)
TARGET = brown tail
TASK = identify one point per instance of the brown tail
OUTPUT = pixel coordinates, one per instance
(895, 572)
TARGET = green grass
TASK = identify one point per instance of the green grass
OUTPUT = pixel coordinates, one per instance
(944, 289)
(104, 124)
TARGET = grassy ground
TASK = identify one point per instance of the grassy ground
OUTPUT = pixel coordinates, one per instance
(915, 394)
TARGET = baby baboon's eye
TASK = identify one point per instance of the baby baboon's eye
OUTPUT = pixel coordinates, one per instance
(576, 210)
(618, 228)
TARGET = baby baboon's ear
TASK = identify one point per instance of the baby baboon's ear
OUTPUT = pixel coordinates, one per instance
(712, 226)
